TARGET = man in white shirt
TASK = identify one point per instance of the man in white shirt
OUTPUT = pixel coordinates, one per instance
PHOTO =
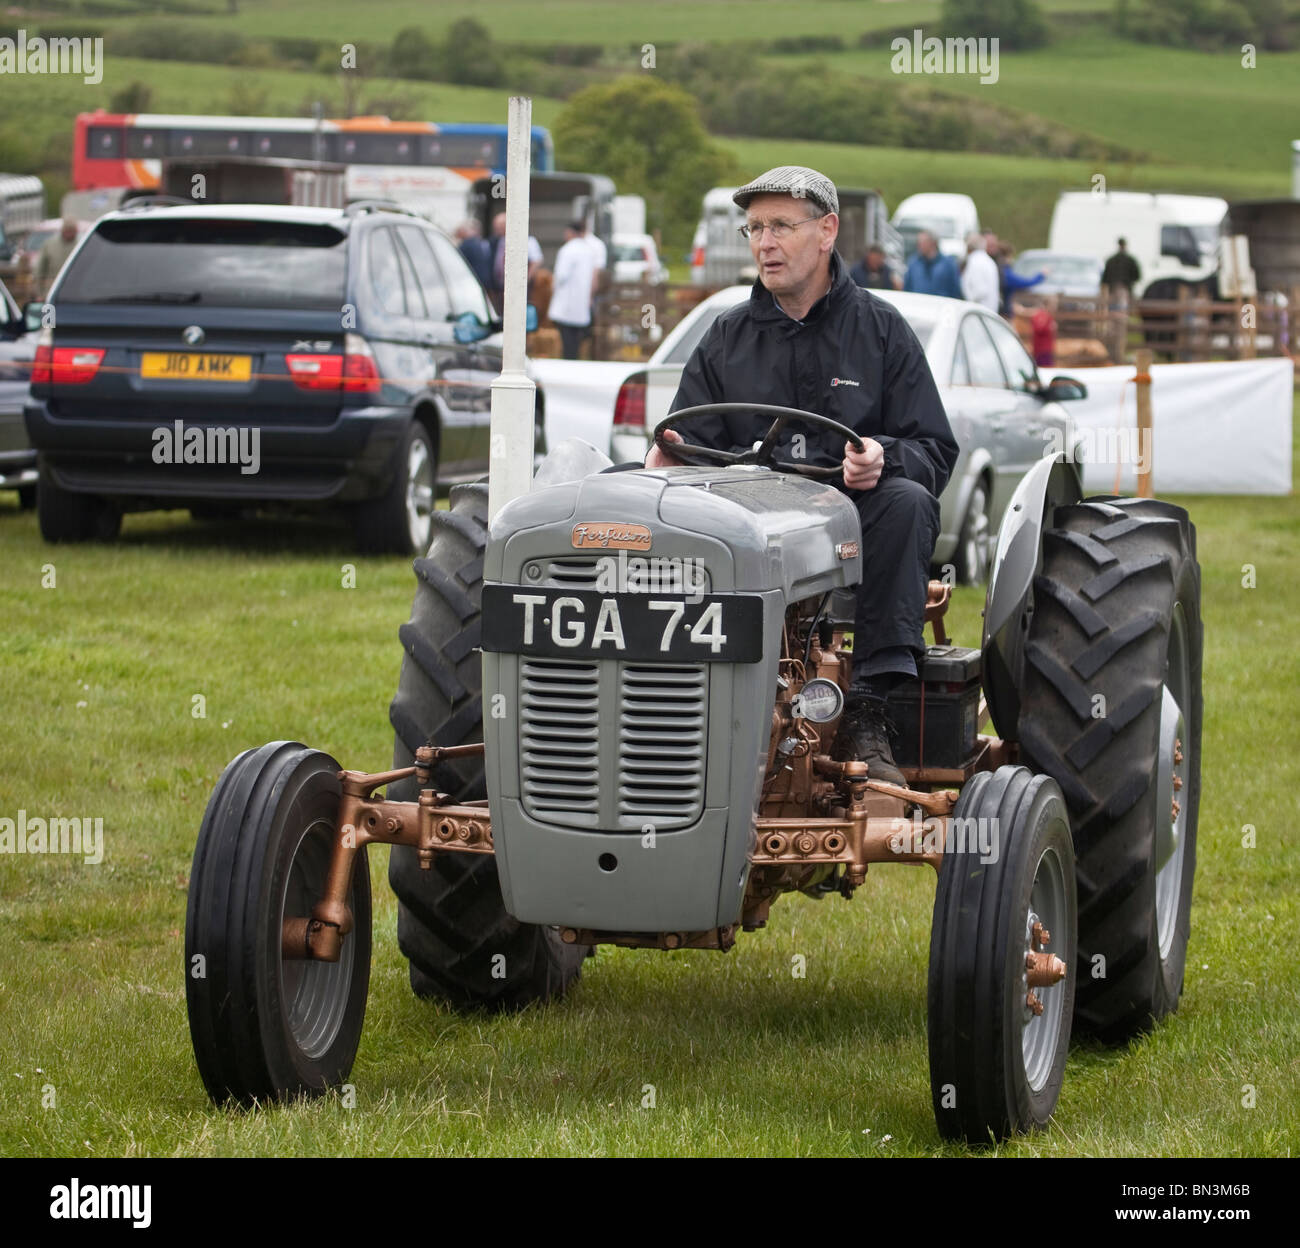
(600, 259)
(980, 281)
(570, 308)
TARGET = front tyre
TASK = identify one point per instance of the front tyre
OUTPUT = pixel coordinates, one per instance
(1003, 909)
(266, 1026)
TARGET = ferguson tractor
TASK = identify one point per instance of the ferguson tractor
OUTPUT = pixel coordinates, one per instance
(613, 726)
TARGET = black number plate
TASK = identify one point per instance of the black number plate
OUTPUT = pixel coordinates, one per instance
(584, 624)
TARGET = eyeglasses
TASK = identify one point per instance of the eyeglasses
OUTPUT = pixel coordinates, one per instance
(778, 229)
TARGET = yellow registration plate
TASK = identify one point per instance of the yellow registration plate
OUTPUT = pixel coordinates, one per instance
(189, 366)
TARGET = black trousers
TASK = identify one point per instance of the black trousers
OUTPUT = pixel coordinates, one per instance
(900, 525)
(571, 337)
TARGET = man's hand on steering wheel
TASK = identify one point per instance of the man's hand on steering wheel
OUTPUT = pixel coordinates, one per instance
(762, 454)
(655, 458)
(862, 468)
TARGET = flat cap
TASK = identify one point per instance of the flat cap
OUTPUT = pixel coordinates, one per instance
(796, 180)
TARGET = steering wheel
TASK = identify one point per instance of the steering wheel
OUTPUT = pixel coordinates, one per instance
(690, 453)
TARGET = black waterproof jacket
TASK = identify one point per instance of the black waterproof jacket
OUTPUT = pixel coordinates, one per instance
(853, 358)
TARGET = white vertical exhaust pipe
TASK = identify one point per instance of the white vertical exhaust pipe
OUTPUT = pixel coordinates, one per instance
(510, 463)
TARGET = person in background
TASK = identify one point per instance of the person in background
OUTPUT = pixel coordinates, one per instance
(1121, 272)
(979, 279)
(476, 250)
(53, 256)
(929, 272)
(1043, 325)
(873, 273)
(1010, 280)
(600, 262)
(570, 307)
(497, 287)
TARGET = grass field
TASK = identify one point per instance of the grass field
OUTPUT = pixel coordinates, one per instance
(1176, 106)
(580, 21)
(99, 676)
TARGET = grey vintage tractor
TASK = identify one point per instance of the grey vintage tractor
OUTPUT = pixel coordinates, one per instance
(613, 724)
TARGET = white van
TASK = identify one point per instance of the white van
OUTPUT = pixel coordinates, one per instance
(949, 217)
(1174, 238)
(719, 256)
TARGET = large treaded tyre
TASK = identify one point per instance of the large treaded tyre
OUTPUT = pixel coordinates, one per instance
(452, 924)
(265, 1026)
(1111, 709)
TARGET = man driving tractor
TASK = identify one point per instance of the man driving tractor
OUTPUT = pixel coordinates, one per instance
(810, 338)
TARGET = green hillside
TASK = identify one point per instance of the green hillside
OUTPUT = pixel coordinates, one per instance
(1195, 121)
(573, 21)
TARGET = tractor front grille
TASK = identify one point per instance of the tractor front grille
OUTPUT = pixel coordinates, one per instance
(559, 741)
(662, 714)
(650, 770)
(572, 573)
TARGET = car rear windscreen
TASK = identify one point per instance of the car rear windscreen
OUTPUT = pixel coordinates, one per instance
(190, 261)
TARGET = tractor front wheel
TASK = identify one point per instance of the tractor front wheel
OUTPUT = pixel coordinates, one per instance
(267, 1026)
(1002, 951)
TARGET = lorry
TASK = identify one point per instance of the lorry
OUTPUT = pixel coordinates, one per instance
(1174, 238)
(22, 208)
(554, 200)
(254, 180)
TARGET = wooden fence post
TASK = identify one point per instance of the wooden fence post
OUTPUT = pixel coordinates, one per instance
(1145, 442)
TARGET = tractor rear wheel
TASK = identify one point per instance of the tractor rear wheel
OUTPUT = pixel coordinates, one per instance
(1111, 709)
(452, 924)
(998, 1040)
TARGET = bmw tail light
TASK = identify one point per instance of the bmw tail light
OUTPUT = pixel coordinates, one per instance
(360, 376)
(353, 372)
(64, 366)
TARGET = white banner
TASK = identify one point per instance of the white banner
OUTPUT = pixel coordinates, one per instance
(1220, 428)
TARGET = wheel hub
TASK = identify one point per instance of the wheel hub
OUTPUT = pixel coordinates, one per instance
(1173, 773)
(419, 494)
(1043, 1000)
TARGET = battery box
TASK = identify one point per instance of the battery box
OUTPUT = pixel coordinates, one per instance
(937, 713)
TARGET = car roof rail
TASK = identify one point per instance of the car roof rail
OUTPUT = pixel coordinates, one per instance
(154, 201)
(358, 206)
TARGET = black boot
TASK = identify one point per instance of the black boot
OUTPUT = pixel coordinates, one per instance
(863, 736)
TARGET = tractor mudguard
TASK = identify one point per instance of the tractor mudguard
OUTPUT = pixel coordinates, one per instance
(570, 460)
(1010, 598)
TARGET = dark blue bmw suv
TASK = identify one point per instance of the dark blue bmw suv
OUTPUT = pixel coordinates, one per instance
(225, 357)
